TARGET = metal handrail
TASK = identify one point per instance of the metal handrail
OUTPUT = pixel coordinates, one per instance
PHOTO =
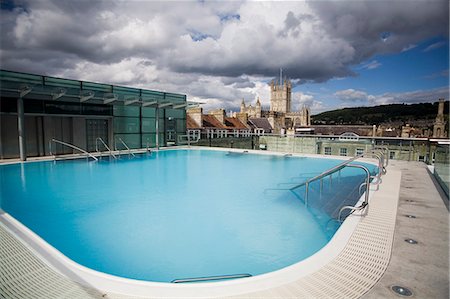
(104, 144)
(188, 139)
(365, 203)
(71, 146)
(338, 167)
(380, 157)
(384, 148)
(208, 278)
(329, 171)
(126, 146)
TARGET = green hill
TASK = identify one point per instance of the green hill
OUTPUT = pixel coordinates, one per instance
(380, 114)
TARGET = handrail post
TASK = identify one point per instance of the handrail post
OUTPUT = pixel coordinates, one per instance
(365, 203)
(366, 198)
(306, 193)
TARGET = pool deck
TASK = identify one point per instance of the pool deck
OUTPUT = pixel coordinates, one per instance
(422, 267)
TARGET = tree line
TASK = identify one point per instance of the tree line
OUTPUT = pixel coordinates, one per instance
(380, 114)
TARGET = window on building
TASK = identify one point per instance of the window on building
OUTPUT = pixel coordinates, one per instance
(327, 150)
(343, 151)
(359, 151)
(392, 155)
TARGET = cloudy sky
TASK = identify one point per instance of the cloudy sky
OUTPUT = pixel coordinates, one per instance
(337, 53)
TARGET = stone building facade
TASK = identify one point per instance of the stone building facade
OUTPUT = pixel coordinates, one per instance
(280, 96)
(280, 116)
(439, 123)
(252, 112)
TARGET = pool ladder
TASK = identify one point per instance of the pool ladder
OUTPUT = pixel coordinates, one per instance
(379, 153)
(209, 278)
(105, 145)
(68, 145)
(125, 145)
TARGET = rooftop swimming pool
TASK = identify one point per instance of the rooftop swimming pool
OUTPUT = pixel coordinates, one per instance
(177, 214)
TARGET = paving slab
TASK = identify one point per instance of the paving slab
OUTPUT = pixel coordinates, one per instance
(423, 267)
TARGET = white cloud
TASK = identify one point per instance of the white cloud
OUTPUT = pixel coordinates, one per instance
(409, 47)
(219, 52)
(417, 96)
(300, 99)
(434, 46)
(374, 64)
(351, 95)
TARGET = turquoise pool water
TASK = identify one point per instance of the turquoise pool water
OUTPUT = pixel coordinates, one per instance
(174, 214)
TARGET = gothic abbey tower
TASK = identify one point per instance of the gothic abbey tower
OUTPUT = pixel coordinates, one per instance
(280, 115)
(280, 96)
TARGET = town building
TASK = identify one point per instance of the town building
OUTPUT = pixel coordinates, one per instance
(279, 119)
(215, 124)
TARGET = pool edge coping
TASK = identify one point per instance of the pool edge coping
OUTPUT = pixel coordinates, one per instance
(256, 283)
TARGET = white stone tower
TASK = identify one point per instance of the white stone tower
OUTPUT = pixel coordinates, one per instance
(439, 123)
(280, 96)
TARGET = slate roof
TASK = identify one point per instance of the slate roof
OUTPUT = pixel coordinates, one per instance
(235, 123)
(261, 123)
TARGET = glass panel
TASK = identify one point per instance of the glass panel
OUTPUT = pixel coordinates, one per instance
(151, 138)
(126, 91)
(176, 113)
(126, 111)
(132, 140)
(22, 77)
(161, 125)
(10, 105)
(181, 126)
(148, 112)
(162, 139)
(96, 128)
(50, 81)
(148, 125)
(96, 109)
(62, 108)
(97, 87)
(126, 125)
(148, 139)
(441, 167)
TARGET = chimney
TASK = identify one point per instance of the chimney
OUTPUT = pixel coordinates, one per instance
(196, 115)
(219, 114)
(243, 117)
